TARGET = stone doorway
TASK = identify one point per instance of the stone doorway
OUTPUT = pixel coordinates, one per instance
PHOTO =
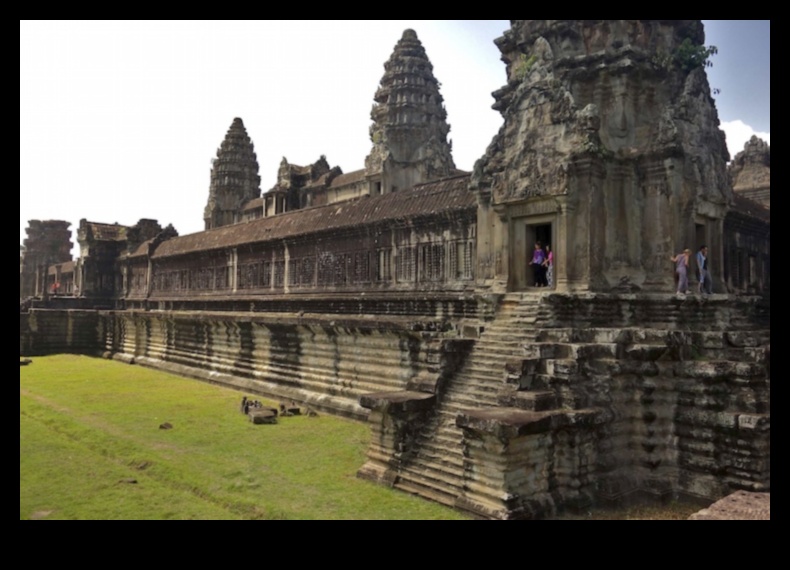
(525, 234)
(536, 233)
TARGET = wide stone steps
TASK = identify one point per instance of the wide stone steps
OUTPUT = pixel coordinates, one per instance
(434, 473)
(437, 471)
(445, 438)
(493, 365)
(462, 402)
(483, 371)
(427, 490)
(497, 346)
(486, 379)
(499, 349)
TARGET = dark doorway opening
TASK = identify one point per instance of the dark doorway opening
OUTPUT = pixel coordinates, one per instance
(699, 236)
(537, 275)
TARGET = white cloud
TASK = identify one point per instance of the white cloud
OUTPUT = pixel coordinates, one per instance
(738, 133)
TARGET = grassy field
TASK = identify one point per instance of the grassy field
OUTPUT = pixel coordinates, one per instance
(90, 447)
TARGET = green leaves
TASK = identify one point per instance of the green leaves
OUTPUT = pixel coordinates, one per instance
(690, 56)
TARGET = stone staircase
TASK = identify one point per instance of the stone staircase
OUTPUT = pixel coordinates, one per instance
(436, 469)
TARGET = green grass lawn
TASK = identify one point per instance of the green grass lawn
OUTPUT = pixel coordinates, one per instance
(90, 447)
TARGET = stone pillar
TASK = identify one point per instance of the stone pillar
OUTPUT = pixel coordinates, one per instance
(586, 225)
(234, 268)
(560, 246)
(656, 235)
(716, 255)
(287, 267)
(149, 278)
(484, 270)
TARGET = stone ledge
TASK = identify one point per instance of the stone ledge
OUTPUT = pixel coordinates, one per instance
(372, 322)
(535, 401)
(395, 402)
(507, 423)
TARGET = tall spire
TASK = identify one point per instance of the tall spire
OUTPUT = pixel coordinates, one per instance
(409, 130)
(234, 178)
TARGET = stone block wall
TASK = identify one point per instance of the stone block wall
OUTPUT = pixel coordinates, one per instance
(326, 363)
(566, 401)
(687, 414)
(43, 331)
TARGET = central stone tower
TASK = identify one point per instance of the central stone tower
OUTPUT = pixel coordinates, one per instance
(409, 130)
(234, 178)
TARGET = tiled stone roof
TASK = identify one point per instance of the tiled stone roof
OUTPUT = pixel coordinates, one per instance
(751, 208)
(348, 178)
(252, 204)
(65, 267)
(434, 198)
(141, 249)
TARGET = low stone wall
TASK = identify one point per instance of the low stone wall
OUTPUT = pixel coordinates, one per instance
(324, 362)
(44, 331)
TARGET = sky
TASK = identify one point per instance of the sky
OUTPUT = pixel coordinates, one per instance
(119, 120)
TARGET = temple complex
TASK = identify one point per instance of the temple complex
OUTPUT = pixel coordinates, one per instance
(402, 294)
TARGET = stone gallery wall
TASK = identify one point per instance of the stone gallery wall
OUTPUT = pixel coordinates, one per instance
(420, 240)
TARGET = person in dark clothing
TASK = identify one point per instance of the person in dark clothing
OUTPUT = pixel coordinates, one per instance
(703, 272)
(538, 258)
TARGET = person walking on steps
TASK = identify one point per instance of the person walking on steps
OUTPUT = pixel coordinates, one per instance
(705, 281)
(681, 262)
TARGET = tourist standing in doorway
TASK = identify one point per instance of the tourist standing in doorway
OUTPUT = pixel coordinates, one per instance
(549, 264)
(705, 281)
(538, 257)
(681, 262)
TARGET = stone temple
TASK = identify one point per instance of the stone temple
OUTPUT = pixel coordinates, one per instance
(402, 294)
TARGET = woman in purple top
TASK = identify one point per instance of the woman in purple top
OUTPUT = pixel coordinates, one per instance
(681, 262)
(538, 257)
